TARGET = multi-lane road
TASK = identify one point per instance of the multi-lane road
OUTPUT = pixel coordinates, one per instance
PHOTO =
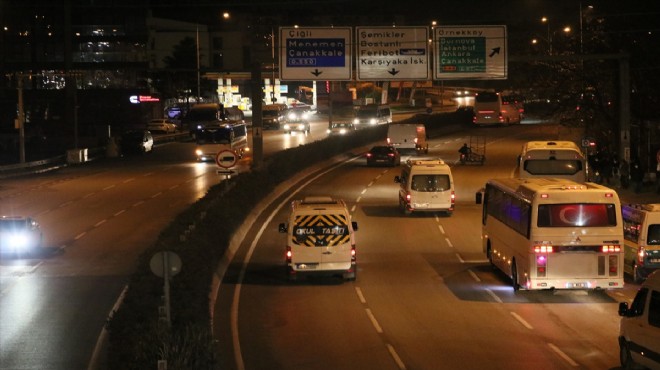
(425, 297)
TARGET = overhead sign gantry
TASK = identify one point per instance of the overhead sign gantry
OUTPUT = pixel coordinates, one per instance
(470, 52)
(392, 53)
(315, 53)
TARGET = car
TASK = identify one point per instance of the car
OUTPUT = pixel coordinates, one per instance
(161, 125)
(383, 154)
(341, 128)
(639, 329)
(137, 141)
(20, 235)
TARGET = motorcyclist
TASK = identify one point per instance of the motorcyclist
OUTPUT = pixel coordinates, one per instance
(465, 152)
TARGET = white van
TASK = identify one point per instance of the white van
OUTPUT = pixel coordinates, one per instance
(641, 233)
(426, 186)
(320, 238)
(409, 137)
(639, 330)
(371, 115)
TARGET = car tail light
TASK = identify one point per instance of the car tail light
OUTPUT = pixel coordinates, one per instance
(390, 154)
(640, 255)
(288, 254)
(408, 197)
(369, 155)
(389, 141)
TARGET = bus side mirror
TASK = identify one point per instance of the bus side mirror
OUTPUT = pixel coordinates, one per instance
(397, 179)
(354, 225)
(283, 228)
(478, 196)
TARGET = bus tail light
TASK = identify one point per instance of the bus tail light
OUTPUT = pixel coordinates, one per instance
(541, 263)
(353, 255)
(614, 264)
(389, 141)
(611, 249)
(543, 249)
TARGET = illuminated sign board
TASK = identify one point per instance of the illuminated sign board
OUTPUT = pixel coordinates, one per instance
(470, 52)
(315, 53)
(137, 99)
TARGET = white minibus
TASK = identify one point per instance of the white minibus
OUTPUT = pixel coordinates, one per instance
(559, 159)
(641, 230)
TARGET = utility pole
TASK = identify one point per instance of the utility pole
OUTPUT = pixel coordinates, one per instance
(20, 120)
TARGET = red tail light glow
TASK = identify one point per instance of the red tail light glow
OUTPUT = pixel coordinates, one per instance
(611, 248)
(543, 249)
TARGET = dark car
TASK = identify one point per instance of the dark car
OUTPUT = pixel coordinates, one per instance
(137, 141)
(383, 154)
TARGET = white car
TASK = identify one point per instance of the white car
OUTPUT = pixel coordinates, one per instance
(19, 235)
(161, 125)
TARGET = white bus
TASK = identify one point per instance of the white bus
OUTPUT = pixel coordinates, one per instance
(547, 233)
(491, 108)
(226, 136)
(558, 159)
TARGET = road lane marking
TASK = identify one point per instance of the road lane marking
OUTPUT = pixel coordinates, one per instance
(442, 229)
(80, 235)
(99, 223)
(449, 243)
(109, 187)
(371, 183)
(129, 180)
(363, 191)
(157, 194)
(396, 357)
(137, 203)
(495, 297)
(353, 208)
(563, 355)
(88, 195)
(358, 199)
(360, 296)
(460, 259)
(522, 321)
(474, 276)
(120, 212)
(374, 322)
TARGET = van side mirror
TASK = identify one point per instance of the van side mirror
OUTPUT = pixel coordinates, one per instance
(623, 309)
(283, 228)
(478, 197)
(354, 225)
(397, 179)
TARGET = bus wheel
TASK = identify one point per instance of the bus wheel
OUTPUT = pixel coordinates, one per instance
(489, 255)
(514, 276)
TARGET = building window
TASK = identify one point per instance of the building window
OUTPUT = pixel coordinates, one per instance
(218, 60)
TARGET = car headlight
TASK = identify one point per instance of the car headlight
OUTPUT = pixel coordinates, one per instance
(356, 121)
(199, 152)
(19, 240)
(301, 126)
(286, 126)
(305, 115)
(200, 127)
(372, 121)
(342, 131)
(292, 116)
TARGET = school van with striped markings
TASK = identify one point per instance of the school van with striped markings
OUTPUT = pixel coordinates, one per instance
(320, 239)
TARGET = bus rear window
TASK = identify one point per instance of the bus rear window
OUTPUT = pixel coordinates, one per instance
(576, 215)
(486, 97)
(549, 167)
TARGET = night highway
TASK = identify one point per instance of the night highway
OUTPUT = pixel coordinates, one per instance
(425, 297)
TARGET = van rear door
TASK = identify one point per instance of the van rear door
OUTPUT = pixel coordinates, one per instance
(430, 191)
(321, 242)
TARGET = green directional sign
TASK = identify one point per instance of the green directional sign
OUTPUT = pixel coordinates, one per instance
(470, 52)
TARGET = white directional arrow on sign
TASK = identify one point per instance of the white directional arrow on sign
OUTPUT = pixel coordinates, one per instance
(392, 53)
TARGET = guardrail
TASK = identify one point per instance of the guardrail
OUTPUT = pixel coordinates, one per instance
(49, 164)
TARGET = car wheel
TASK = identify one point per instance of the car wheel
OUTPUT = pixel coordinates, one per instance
(625, 358)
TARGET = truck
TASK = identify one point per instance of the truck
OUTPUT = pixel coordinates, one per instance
(408, 137)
